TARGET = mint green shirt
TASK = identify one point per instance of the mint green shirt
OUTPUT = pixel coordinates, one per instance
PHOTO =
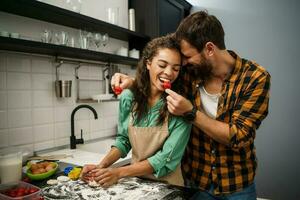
(169, 156)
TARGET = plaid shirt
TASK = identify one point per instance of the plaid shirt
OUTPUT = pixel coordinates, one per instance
(243, 105)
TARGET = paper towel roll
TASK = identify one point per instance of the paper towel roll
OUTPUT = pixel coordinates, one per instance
(131, 19)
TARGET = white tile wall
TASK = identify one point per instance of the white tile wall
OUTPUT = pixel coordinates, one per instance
(19, 118)
(62, 130)
(3, 100)
(41, 65)
(43, 115)
(44, 145)
(43, 133)
(2, 80)
(42, 98)
(18, 136)
(31, 116)
(3, 138)
(42, 82)
(2, 63)
(18, 63)
(3, 119)
(19, 98)
(18, 81)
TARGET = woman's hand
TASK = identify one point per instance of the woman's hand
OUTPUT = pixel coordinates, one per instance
(86, 173)
(177, 104)
(106, 176)
(121, 80)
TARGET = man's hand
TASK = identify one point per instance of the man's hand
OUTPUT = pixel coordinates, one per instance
(122, 81)
(177, 104)
(106, 176)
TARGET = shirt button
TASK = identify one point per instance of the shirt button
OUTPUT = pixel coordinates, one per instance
(213, 152)
(213, 167)
(168, 159)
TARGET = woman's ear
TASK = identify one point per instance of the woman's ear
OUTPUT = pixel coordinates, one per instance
(148, 64)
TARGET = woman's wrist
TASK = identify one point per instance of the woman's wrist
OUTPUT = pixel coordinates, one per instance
(102, 165)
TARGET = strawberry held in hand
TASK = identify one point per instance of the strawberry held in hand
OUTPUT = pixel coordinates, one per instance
(167, 85)
(118, 90)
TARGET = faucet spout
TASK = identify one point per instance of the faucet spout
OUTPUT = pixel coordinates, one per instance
(73, 140)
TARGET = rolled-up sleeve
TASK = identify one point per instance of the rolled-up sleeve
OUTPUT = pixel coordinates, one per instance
(249, 112)
(167, 159)
(122, 140)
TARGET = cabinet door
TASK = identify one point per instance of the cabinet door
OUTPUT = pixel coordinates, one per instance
(159, 17)
(170, 15)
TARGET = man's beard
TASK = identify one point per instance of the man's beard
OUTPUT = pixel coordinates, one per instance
(201, 71)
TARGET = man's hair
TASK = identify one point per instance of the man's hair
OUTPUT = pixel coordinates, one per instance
(200, 28)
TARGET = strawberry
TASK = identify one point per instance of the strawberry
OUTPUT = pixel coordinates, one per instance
(167, 85)
(118, 90)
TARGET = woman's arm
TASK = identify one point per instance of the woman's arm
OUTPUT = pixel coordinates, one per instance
(113, 155)
(169, 156)
(109, 176)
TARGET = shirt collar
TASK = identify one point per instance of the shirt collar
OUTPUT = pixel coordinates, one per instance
(238, 64)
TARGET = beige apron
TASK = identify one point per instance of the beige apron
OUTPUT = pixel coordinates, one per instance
(145, 142)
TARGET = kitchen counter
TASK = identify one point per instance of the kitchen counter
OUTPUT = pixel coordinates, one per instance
(89, 153)
(127, 188)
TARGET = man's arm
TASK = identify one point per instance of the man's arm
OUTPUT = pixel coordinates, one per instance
(121, 80)
(251, 109)
(178, 105)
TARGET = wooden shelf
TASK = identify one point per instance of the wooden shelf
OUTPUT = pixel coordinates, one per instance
(53, 14)
(29, 46)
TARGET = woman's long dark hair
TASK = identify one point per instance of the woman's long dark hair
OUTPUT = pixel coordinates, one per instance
(141, 86)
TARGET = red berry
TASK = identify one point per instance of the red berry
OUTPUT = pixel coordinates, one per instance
(118, 90)
(32, 190)
(27, 191)
(167, 85)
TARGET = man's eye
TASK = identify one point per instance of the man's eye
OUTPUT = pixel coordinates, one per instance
(162, 66)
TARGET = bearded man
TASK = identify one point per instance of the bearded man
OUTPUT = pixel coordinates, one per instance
(226, 100)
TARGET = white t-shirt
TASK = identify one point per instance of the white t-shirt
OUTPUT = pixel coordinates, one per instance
(209, 102)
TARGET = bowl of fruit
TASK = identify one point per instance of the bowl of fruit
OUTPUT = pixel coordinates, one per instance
(41, 170)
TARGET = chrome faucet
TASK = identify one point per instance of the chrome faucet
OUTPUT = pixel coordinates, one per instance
(73, 140)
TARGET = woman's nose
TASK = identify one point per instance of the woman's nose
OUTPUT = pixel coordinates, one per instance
(168, 71)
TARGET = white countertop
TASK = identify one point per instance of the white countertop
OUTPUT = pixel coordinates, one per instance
(91, 153)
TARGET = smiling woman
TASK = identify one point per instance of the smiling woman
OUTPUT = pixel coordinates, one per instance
(157, 139)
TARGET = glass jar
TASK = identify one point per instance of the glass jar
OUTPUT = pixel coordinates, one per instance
(10, 166)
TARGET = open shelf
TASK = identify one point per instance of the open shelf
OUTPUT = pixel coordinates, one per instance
(29, 46)
(94, 101)
(53, 14)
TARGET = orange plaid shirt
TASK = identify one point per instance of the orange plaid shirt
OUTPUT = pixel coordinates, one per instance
(243, 104)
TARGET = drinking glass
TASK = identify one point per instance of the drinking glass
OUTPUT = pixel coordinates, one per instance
(98, 40)
(46, 36)
(105, 39)
(62, 38)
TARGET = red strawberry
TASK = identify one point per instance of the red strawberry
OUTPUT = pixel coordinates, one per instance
(167, 85)
(118, 90)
